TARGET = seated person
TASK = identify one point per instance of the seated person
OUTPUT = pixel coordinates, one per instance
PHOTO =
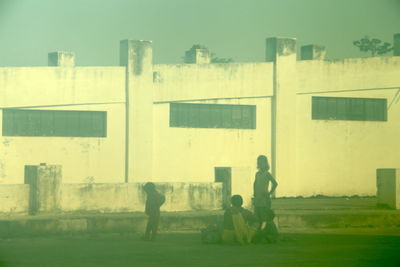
(239, 223)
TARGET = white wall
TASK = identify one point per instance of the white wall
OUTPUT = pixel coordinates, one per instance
(84, 88)
(208, 81)
(14, 199)
(313, 156)
(41, 86)
(128, 197)
(191, 154)
(341, 157)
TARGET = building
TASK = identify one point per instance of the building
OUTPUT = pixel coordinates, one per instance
(325, 125)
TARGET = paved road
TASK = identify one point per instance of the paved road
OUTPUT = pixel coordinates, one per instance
(185, 249)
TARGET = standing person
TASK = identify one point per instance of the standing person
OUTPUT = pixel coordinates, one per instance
(153, 203)
(262, 193)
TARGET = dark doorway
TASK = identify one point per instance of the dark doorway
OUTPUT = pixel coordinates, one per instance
(224, 175)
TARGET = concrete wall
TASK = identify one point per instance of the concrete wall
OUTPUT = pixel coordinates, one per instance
(115, 197)
(308, 156)
(282, 52)
(340, 157)
(42, 86)
(44, 192)
(388, 188)
(137, 57)
(127, 197)
(348, 74)
(82, 88)
(212, 81)
(191, 154)
(14, 199)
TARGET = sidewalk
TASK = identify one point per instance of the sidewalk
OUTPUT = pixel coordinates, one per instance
(292, 215)
(325, 203)
(334, 214)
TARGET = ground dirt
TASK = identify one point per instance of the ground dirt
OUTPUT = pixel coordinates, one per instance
(185, 249)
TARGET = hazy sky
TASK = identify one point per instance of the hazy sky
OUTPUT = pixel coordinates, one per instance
(29, 29)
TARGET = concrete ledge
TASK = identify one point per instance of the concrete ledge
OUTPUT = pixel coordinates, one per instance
(190, 221)
(339, 220)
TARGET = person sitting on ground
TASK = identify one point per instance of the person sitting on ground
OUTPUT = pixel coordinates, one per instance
(153, 203)
(239, 223)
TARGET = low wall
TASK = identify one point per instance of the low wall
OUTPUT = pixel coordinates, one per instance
(191, 196)
(112, 197)
(14, 199)
(44, 192)
(123, 197)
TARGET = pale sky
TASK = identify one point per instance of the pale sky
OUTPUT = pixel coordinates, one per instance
(29, 29)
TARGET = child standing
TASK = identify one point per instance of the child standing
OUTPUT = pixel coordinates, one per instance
(262, 193)
(153, 203)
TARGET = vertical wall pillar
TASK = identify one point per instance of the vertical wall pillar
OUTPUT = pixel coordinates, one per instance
(396, 44)
(45, 185)
(137, 57)
(282, 51)
(388, 188)
(61, 59)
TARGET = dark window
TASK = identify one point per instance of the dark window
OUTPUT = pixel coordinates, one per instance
(354, 109)
(212, 116)
(22, 122)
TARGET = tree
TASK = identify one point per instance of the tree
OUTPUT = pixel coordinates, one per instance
(374, 46)
(190, 54)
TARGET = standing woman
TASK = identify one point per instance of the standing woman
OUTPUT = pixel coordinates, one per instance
(262, 193)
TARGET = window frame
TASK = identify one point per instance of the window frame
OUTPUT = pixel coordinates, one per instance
(351, 108)
(59, 123)
(212, 116)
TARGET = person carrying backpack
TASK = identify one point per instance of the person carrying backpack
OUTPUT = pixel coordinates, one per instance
(153, 203)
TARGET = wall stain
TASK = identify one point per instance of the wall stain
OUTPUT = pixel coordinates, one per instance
(85, 147)
(2, 172)
(6, 142)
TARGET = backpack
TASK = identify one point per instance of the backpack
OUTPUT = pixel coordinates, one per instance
(161, 199)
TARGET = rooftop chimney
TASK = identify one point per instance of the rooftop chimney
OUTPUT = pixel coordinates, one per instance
(61, 59)
(198, 55)
(312, 52)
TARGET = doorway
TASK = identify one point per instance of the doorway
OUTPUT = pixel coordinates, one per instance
(224, 175)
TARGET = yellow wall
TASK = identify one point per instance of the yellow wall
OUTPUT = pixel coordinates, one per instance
(34, 86)
(128, 197)
(137, 56)
(208, 81)
(191, 154)
(14, 199)
(283, 158)
(341, 157)
(312, 156)
(84, 88)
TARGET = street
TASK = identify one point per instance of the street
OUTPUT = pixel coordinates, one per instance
(185, 249)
